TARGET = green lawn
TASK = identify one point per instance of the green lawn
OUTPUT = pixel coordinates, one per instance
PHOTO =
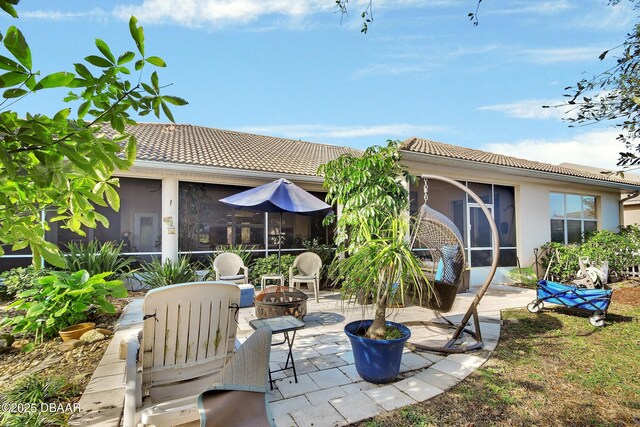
(549, 369)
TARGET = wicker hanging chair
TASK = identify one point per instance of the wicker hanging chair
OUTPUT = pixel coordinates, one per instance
(444, 262)
(438, 235)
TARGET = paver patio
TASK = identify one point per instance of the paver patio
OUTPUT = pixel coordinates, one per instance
(329, 391)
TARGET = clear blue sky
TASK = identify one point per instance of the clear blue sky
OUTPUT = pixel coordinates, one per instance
(289, 68)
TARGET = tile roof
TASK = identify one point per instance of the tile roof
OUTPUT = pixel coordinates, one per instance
(197, 145)
(425, 146)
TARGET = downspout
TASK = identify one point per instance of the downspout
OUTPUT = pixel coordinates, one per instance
(621, 206)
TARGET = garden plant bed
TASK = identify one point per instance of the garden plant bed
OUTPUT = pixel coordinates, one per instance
(549, 369)
(76, 365)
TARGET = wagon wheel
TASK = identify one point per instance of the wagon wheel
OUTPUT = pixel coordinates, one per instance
(597, 319)
(535, 306)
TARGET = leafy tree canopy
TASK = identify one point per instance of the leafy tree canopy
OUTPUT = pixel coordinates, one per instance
(63, 164)
(368, 190)
(614, 94)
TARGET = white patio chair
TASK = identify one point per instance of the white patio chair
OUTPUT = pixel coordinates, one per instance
(187, 338)
(227, 267)
(308, 265)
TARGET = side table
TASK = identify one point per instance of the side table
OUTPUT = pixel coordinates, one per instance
(263, 279)
(282, 325)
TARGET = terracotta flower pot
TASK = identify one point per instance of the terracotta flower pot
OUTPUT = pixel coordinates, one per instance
(75, 331)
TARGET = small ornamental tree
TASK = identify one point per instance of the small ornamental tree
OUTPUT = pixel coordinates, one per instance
(372, 228)
(63, 164)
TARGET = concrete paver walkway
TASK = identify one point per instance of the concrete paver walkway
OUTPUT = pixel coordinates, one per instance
(329, 391)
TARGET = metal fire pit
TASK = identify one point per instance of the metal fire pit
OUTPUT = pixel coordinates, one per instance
(277, 301)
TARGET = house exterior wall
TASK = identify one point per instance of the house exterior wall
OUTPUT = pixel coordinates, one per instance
(532, 204)
(632, 214)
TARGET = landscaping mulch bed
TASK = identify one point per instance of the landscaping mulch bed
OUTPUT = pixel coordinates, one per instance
(75, 365)
(549, 369)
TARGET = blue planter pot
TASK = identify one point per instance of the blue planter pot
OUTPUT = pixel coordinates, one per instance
(377, 361)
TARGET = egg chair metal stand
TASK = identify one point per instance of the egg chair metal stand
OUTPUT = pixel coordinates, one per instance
(438, 235)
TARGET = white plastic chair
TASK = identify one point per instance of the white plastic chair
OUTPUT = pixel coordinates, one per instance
(188, 336)
(227, 267)
(308, 265)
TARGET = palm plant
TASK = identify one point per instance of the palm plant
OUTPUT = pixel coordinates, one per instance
(383, 266)
(95, 258)
(373, 255)
(157, 273)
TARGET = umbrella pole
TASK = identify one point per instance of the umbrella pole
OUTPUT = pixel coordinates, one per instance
(279, 243)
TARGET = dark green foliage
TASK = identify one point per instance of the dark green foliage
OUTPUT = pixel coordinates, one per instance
(96, 257)
(269, 265)
(62, 299)
(37, 389)
(64, 163)
(620, 250)
(18, 280)
(157, 274)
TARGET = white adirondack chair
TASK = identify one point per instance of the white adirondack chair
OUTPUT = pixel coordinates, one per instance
(188, 335)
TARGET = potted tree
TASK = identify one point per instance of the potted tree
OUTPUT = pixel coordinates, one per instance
(374, 256)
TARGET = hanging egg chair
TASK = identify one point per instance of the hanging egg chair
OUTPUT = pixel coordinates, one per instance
(444, 268)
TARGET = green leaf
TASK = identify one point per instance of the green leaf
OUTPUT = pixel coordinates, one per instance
(155, 82)
(7, 7)
(112, 197)
(15, 43)
(83, 109)
(131, 149)
(59, 79)
(7, 162)
(139, 64)
(14, 93)
(35, 310)
(10, 65)
(98, 61)
(174, 100)
(83, 71)
(104, 48)
(137, 34)
(12, 78)
(158, 62)
(167, 112)
(126, 57)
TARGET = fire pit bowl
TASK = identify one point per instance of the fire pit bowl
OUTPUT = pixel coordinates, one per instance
(277, 301)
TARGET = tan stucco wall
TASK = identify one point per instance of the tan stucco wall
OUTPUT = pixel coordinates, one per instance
(632, 214)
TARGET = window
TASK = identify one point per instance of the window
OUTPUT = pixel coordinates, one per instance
(571, 216)
(467, 215)
(206, 225)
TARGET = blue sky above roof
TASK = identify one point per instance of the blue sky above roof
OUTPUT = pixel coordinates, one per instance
(289, 68)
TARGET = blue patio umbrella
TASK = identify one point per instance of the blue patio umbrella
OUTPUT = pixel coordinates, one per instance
(278, 196)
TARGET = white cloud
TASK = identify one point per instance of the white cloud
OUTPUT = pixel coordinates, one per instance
(323, 132)
(553, 56)
(195, 13)
(53, 15)
(607, 18)
(532, 109)
(597, 148)
(540, 7)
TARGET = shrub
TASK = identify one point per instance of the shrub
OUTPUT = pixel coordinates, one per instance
(619, 250)
(19, 280)
(269, 265)
(63, 299)
(96, 258)
(157, 274)
(37, 389)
